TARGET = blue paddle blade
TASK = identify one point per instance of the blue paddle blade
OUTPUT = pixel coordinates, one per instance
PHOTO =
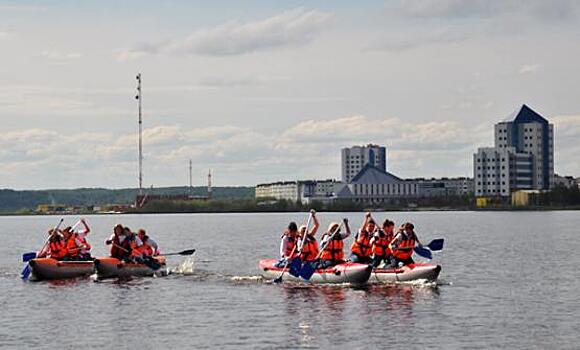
(436, 244)
(25, 272)
(307, 270)
(26, 257)
(295, 266)
(424, 252)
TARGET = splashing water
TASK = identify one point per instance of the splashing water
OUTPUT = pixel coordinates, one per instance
(185, 267)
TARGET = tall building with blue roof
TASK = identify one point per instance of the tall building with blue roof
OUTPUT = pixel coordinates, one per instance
(522, 159)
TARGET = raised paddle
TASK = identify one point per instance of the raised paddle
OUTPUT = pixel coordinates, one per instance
(308, 268)
(26, 271)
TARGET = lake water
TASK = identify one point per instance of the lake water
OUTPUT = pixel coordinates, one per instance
(510, 280)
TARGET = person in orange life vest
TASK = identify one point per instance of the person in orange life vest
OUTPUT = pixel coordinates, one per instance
(307, 241)
(77, 246)
(119, 243)
(56, 245)
(380, 243)
(134, 244)
(287, 245)
(332, 243)
(149, 247)
(403, 244)
(44, 252)
(361, 249)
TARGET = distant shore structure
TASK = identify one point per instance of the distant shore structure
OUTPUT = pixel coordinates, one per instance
(521, 159)
(354, 158)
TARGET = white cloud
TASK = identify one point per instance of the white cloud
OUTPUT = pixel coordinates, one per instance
(294, 27)
(54, 54)
(529, 68)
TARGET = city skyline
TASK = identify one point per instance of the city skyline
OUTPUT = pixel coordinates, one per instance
(336, 75)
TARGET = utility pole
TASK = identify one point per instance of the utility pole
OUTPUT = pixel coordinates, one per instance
(139, 98)
(190, 180)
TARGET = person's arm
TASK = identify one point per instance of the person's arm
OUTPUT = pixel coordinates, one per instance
(395, 242)
(283, 245)
(109, 241)
(366, 221)
(347, 229)
(87, 229)
(316, 223)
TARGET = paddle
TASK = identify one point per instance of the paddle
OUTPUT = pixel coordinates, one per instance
(435, 245)
(29, 256)
(183, 252)
(308, 268)
(279, 279)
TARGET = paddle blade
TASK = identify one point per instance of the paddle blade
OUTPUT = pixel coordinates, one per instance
(424, 252)
(436, 244)
(152, 264)
(26, 257)
(307, 270)
(295, 267)
(187, 252)
(25, 272)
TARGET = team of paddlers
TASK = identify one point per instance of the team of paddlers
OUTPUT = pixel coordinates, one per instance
(72, 245)
(374, 245)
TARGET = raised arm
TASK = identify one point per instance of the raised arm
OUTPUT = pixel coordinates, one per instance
(366, 221)
(316, 223)
(87, 229)
(347, 229)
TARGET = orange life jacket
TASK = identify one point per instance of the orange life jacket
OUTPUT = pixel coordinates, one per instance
(334, 249)
(290, 247)
(57, 248)
(362, 244)
(309, 249)
(381, 244)
(145, 248)
(404, 250)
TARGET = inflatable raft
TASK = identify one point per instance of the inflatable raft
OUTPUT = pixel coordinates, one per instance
(108, 267)
(52, 269)
(407, 273)
(347, 272)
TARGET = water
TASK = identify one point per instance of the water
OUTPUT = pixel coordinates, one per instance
(509, 281)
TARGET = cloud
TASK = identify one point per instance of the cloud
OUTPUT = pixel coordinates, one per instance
(294, 27)
(54, 54)
(458, 9)
(246, 155)
(529, 68)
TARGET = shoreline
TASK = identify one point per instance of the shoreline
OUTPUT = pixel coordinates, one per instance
(374, 210)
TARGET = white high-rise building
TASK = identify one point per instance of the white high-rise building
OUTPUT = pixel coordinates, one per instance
(522, 159)
(356, 157)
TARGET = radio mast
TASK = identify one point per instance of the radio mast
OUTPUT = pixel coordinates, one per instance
(139, 98)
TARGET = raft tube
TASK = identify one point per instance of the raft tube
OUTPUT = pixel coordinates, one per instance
(108, 267)
(347, 272)
(52, 269)
(407, 273)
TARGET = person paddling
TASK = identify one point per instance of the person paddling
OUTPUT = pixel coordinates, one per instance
(307, 241)
(403, 244)
(288, 248)
(380, 243)
(77, 246)
(57, 245)
(149, 246)
(333, 244)
(120, 248)
(361, 250)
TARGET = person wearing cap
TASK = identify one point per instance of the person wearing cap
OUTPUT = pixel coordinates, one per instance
(361, 249)
(403, 244)
(307, 241)
(332, 243)
(288, 248)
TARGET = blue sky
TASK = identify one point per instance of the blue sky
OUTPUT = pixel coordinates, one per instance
(262, 91)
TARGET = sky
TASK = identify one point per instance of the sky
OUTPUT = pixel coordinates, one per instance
(262, 91)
